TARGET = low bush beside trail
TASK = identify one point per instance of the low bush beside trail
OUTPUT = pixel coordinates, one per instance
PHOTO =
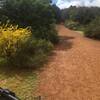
(93, 29)
(20, 49)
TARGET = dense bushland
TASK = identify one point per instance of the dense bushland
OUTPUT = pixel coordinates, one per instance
(18, 47)
(21, 46)
(93, 29)
(37, 14)
(82, 15)
(57, 12)
(84, 19)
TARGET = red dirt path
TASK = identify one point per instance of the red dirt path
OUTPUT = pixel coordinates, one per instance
(73, 72)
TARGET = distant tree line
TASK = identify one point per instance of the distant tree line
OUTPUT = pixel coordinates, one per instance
(86, 19)
(83, 15)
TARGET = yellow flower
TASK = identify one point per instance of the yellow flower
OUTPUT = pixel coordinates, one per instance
(10, 37)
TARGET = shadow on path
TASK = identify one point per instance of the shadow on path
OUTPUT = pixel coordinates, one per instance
(65, 43)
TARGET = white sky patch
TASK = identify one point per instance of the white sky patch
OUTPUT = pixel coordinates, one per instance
(67, 3)
(96, 3)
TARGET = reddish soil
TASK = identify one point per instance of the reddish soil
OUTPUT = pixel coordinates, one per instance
(73, 71)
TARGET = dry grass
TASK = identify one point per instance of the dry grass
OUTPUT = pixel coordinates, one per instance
(22, 82)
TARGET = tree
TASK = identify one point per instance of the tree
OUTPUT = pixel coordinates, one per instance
(57, 12)
(82, 15)
(28, 12)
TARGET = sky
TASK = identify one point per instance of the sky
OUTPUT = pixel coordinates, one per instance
(67, 3)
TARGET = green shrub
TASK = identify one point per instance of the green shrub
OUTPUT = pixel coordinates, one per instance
(35, 13)
(47, 34)
(82, 15)
(71, 24)
(42, 50)
(19, 48)
(93, 29)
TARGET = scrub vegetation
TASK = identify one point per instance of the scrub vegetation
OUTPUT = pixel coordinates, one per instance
(27, 37)
(86, 19)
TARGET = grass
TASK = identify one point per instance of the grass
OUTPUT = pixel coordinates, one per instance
(22, 82)
(81, 32)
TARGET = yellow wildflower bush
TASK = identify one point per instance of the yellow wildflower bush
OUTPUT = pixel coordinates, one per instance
(19, 48)
(11, 39)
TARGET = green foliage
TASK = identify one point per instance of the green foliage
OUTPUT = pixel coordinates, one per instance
(28, 12)
(71, 24)
(86, 19)
(93, 29)
(57, 13)
(82, 15)
(18, 47)
(39, 15)
(47, 34)
(22, 47)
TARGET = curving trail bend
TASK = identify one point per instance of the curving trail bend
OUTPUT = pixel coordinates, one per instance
(73, 71)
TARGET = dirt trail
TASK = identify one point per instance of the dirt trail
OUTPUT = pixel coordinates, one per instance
(73, 72)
